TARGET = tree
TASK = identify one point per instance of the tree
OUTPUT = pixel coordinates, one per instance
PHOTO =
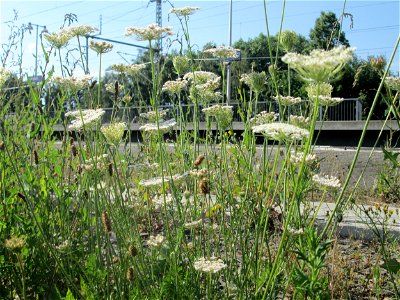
(327, 33)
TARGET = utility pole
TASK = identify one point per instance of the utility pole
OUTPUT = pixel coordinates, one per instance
(159, 22)
(228, 67)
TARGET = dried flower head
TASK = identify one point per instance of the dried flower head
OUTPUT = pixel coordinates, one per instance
(287, 100)
(320, 65)
(211, 265)
(106, 222)
(184, 11)
(378, 63)
(15, 244)
(114, 132)
(204, 186)
(101, 47)
(149, 33)
(130, 274)
(282, 132)
(132, 250)
(58, 39)
(199, 160)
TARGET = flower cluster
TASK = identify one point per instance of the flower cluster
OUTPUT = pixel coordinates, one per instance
(297, 158)
(174, 87)
(74, 83)
(149, 33)
(151, 116)
(101, 47)
(110, 87)
(58, 39)
(97, 163)
(4, 75)
(320, 65)
(193, 224)
(132, 69)
(162, 127)
(211, 265)
(84, 118)
(15, 243)
(322, 89)
(281, 132)
(184, 11)
(393, 82)
(299, 121)
(326, 181)
(264, 117)
(203, 85)
(223, 114)
(81, 30)
(222, 52)
(155, 241)
(114, 132)
(287, 39)
(255, 80)
(181, 64)
(328, 101)
(287, 100)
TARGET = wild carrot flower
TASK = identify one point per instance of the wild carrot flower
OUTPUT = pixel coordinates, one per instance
(287, 100)
(149, 33)
(155, 241)
(73, 83)
(193, 224)
(151, 116)
(287, 39)
(223, 114)
(58, 39)
(81, 30)
(393, 82)
(211, 265)
(329, 101)
(153, 182)
(174, 87)
(264, 117)
(281, 132)
(255, 80)
(184, 11)
(321, 89)
(114, 132)
(200, 77)
(87, 118)
(163, 127)
(101, 47)
(4, 75)
(297, 158)
(132, 69)
(222, 52)
(326, 181)
(111, 87)
(14, 244)
(320, 65)
(299, 121)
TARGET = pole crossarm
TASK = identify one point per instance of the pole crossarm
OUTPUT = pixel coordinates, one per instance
(119, 42)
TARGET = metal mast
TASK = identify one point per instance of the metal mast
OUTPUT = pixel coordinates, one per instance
(158, 21)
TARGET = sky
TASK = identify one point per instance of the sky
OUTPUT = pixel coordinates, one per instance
(373, 30)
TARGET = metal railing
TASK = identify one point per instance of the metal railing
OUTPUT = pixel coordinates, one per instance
(348, 110)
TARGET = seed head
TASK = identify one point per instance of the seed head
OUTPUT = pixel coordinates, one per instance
(74, 150)
(199, 160)
(110, 169)
(132, 250)
(1, 145)
(130, 274)
(204, 186)
(106, 222)
(35, 157)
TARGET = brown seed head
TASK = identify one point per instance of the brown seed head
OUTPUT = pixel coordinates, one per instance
(130, 274)
(199, 160)
(74, 150)
(106, 222)
(35, 157)
(1, 145)
(132, 251)
(204, 186)
(110, 169)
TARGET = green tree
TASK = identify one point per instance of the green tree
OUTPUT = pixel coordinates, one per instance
(327, 33)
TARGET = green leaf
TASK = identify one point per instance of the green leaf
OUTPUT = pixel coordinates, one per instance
(390, 155)
(391, 265)
(69, 295)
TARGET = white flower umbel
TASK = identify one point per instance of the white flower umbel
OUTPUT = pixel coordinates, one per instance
(210, 265)
(132, 69)
(222, 52)
(393, 82)
(149, 33)
(193, 224)
(153, 182)
(223, 114)
(163, 127)
(256, 81)
(326, 181)
(287, 100)
(299, 121)
(101, 47)
(297, 158)
(281, 132)
(155, 241)
(320, 65)
(84, 118)
(200, 77)
(328, 101)
(184, 11)
(4, 75)
(58, 39)
(151, 116)
(114, 132)
(174, 87)
(73, 83)
(81, 30)
(264, 117)
(322, 89)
